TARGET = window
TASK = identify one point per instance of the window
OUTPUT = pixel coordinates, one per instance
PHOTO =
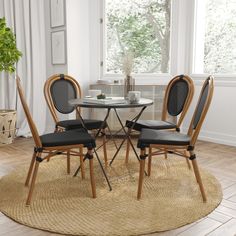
(140, 28)
(215, 37)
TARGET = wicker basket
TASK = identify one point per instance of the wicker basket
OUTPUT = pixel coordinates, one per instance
(7, 126)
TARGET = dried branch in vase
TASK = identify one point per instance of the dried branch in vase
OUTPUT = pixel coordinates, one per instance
(127, 63)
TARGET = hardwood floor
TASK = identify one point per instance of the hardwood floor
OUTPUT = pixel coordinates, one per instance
(220, 160)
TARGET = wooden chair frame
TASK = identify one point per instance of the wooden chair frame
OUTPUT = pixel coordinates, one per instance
(52, 108)
(186, 151)
(49, 151)
(164, 116)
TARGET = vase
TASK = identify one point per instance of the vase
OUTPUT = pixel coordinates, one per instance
(129, 85)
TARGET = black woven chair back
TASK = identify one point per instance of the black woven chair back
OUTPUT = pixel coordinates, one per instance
(177, 97)
(201, 103)
(201, 109)
(62, 91)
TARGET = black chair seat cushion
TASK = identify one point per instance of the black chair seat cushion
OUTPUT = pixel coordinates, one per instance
(71, 137)
(150, 124)
(76, 124)
(150, 136)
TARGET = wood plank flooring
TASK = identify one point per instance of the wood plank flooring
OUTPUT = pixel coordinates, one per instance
(220, 160)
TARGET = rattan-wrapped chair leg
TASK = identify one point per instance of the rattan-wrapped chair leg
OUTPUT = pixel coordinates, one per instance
(187, 159)
(127, 147)
(30, 169)
(199, 179)
(104, 147)
(68, 161)
(149, 161)
(33, 179)
(90, 154)
(82, 163)
(141, 173)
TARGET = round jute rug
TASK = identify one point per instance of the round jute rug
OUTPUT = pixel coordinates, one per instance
(63, 204)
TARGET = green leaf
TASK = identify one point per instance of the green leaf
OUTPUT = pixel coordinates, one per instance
(9, 54)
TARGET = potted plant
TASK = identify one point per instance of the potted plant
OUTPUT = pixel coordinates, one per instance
(9, 56)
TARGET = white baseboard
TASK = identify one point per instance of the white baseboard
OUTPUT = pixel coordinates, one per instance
(216, 137)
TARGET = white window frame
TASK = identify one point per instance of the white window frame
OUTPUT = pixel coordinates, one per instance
(181, 46)
(144, 78)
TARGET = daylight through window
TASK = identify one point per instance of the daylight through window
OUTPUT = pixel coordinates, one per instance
(215, 50)
(140, 28)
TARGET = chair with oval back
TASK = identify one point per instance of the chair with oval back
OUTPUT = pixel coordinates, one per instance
(52, 143)
(178, 96)
(58, 90)
(176, 142)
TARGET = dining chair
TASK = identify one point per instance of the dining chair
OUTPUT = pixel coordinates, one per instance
(176, 142)
(178, 96)
(52, 143)
(58, 90)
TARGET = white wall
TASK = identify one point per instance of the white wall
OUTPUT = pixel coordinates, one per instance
(219, 125)
(94, 38)
(78, 41)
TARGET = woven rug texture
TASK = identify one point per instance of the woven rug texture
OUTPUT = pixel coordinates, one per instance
(62, 203)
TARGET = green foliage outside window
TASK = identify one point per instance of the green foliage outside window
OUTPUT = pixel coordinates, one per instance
(140, 27)
(220, 36)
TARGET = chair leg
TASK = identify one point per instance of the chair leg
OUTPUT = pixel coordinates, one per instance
(199, 179)
(104, 147)
(92, 174)
(141, 174)
(165, 153)
(68, 161)
(188, 163)
(187, 160)
(149, 161)
(82, 163)
(127, 147)
(30, 169)
(31, 189)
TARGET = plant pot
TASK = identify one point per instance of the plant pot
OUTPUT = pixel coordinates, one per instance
(7, 126)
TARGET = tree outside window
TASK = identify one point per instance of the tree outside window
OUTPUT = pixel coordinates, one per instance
(140, 27)
(215, 38)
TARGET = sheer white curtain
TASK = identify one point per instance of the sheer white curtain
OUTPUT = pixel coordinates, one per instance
(26, 17)
(7, 84)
